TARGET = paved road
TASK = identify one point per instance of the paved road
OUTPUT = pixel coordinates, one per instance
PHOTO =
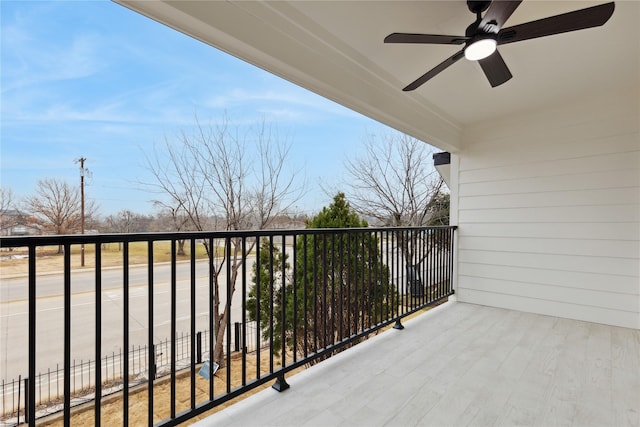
(50, 314)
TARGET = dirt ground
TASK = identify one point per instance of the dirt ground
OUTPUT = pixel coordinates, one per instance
(111, 408)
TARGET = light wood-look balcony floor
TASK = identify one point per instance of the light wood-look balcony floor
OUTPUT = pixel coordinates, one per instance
(459, 365)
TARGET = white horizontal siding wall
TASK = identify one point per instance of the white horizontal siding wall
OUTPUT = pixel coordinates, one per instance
(548, 209)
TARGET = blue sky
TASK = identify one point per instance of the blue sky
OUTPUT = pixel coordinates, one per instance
(93, 79)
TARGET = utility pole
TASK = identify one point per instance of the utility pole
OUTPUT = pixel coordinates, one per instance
(81, 160)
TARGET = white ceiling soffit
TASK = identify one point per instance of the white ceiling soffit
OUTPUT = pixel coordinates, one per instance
(336, 49)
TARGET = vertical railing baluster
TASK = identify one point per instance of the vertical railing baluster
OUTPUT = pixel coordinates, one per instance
(368, 263)
(325, 309)
(212, 332)
(283, 310)
(152, 354)
(386, 274)
(30, 413)
(452, 235)
(419, 265)
(271, 305)
(172, 352)
(373, 278)
(362, 269)
(315, 294)
(447, 262)
(244, 311)
(427, 265)
(430, 261)
(441, 260)
(259, 290)
(394, 274)
(435, 243)
(125, 332)
(444, 261)
(341, 328)
(333, 313)
(349, 296)
(436, 263)
(401, 286)
(434, 269)
(404, 258)
(305, 296)
(67, 335)
(416, 263)
(98, 333)
(389, 279)
(193, 322)
(294, 236)
(26, 391)
(228, 312)
(379, 277)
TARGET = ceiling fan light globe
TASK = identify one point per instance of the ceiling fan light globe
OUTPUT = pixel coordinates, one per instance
(480, 49)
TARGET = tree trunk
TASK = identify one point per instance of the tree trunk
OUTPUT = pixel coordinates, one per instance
(221, 327)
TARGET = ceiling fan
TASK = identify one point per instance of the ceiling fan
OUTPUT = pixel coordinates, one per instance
(484, 35)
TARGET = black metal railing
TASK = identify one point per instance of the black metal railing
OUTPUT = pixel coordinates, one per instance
(311, 292)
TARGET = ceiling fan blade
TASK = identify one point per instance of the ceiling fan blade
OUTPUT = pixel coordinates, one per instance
(572, 21)
(424, 38)
(495, 69)
(434, 71)
(497, 15)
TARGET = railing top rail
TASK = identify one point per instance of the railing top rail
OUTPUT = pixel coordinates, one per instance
(50, 240)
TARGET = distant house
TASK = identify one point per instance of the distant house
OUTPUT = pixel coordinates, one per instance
(287, 222)
(16, 223)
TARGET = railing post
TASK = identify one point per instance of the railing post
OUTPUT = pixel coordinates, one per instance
(398, 325)
(199, 347)
(280, 384)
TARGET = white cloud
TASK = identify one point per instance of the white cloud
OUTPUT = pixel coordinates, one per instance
(28, 61)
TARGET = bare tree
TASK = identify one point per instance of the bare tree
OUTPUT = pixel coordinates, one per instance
(6, 200)
(6, 205)
(395, 183)
(127, 221)
(57, 207)
(177, 218)
(224, 180)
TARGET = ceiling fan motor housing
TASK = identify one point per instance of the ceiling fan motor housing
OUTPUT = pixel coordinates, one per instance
(478, 6)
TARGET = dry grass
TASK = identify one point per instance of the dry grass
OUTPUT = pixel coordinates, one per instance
(111, 408)
(49, 260)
